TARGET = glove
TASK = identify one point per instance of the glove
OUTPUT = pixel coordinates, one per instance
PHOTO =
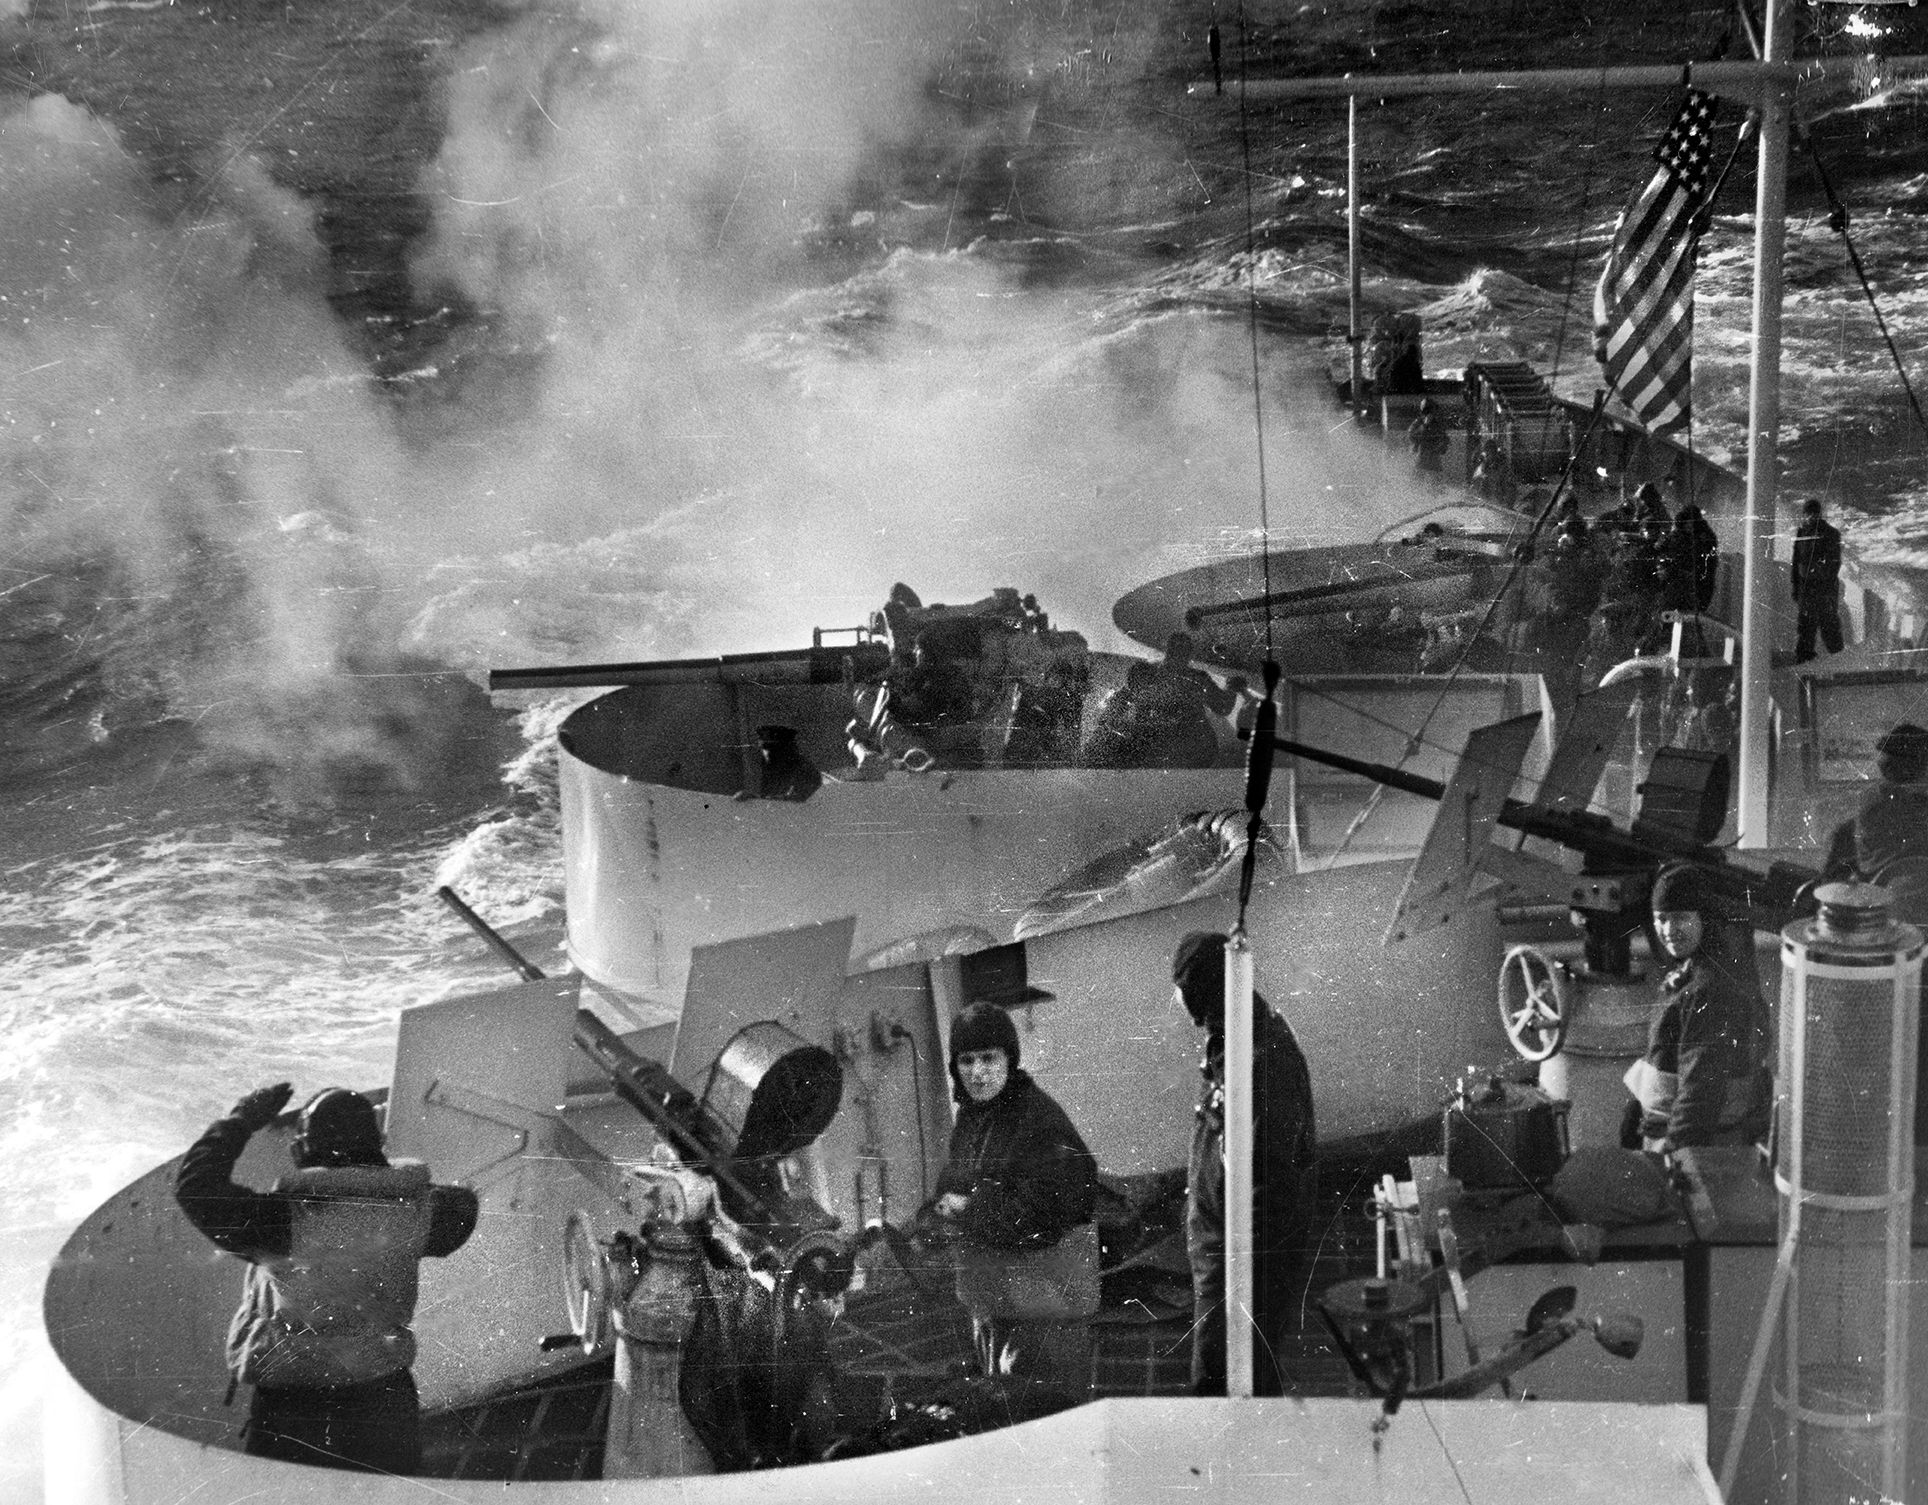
(262, 1106)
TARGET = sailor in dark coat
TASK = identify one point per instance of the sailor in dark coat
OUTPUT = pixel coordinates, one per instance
(1691, 554)
(1705, 1078)
(1018, 1192)
(1817, 583)
(323, 1331)
(1284, 1174)
(1893, 820)
(1429, 440)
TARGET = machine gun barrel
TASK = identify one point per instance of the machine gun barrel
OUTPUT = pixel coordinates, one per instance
(786, 666)
(670, 1107)
(1768, 897)
(646, 1085)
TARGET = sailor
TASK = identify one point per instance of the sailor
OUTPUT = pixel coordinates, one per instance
(1162, 716)
(1571, 591)
(322, 1332)
(787, 772)
(1706, 714)
(937, 692)
(1694, 549)
(1017, 1195)
(1610, 524)
(1648, 507)
(1426, 436)
(1704, 1079)
(1817, 583)
(1284, 1173)
(1893, 820)
(1493, 476)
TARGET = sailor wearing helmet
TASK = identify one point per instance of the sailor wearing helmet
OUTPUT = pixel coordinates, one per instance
(1893, 820)
(322, 1333)
(1704, 1078)
(1017, 1196)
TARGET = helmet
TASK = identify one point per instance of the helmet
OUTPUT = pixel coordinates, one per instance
(338, 1127)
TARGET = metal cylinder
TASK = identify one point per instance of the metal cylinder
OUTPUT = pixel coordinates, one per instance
(771, 1092)
(1844, 1106)
(1606, 1033)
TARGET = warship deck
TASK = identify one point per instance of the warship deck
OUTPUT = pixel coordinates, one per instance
(904, 1339)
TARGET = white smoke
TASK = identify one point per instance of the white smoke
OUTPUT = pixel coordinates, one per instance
(687, 405)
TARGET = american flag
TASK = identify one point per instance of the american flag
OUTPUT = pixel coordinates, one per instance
(1643, 309)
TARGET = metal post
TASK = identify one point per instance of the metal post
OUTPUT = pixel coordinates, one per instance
(1239, 1255)
(648, 1436)
(1763, 421)
(1355, 336)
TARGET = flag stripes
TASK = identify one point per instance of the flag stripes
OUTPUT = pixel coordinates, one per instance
(1643, 308)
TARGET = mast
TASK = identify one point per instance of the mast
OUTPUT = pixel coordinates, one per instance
(1763, 424)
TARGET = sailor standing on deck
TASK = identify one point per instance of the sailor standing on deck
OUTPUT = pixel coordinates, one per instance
(1427, 437)
(322, 1332)
(1284, 1173)
(1817, 583)
(1018, 1192)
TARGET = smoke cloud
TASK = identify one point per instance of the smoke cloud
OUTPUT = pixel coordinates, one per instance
(726, 359)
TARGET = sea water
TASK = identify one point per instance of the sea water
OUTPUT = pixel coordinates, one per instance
(248, 594)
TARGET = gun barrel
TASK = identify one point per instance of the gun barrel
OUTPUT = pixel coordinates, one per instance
(1771, 895)
(529, 970)
(785, 666)
(670, 1107)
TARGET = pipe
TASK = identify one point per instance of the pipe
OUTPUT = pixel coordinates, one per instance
(1240, 1287)
(1763, 421)
(1736, 80)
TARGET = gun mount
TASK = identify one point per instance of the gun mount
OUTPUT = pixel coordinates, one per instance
(1684, 803)
(770, 1094)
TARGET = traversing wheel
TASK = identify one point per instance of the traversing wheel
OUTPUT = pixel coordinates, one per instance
(1536, 1002)
(585, 1284)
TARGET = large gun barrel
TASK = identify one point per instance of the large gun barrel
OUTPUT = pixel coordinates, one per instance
(818, 665)
(1767, 897)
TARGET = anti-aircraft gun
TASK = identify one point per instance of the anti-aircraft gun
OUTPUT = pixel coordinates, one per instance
(714, 1296)
(1683, 805)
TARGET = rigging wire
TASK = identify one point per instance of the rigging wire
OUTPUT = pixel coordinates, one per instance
(1838, 222)
(1252, 314)
(1260, 749)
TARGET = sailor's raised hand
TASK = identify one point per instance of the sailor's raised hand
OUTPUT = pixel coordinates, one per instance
(262, 1106)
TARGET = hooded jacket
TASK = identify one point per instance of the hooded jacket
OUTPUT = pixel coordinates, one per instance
(1023, 1165)
(1704, 1077)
